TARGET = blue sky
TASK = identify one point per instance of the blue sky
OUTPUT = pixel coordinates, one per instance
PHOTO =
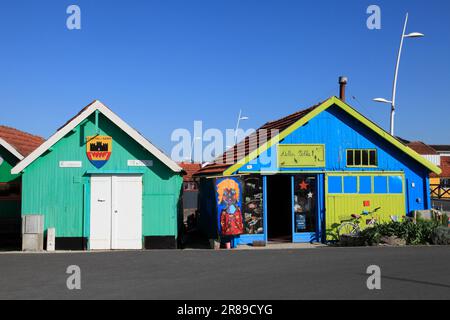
(163, 64)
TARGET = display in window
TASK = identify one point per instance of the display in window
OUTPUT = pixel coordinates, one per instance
(305, 203)
(253, 205)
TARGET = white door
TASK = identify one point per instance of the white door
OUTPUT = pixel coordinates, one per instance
(116, 212)
(100, 234)
(127, 212)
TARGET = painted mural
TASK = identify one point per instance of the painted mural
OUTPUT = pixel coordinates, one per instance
(98, 150)
(229, 200)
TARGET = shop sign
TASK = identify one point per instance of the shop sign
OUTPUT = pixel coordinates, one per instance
(98, 150)
(140, 163)
(70, 164)
(301, 155)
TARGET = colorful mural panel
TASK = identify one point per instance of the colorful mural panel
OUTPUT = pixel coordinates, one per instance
(229, 201)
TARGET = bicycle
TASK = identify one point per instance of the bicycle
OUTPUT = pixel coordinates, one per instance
(352, 228)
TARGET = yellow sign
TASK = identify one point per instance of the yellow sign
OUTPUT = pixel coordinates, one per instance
(301, 155)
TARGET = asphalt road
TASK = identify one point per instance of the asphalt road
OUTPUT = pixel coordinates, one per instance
(321, 273)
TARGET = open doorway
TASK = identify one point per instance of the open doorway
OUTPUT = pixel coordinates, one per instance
(279, 208)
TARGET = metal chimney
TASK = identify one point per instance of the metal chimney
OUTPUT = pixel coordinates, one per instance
(342, 83)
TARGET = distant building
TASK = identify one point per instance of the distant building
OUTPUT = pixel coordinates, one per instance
(440, 156)
(190, 188)
(442, 149)
(425, 151)
(14, 146)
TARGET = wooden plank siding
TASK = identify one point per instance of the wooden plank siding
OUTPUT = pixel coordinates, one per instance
(63, 194)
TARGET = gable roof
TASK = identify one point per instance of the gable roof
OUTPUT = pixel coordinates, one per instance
(421, 148)
(17, 142)
(253, 141)
(82, 115)
(253, 145)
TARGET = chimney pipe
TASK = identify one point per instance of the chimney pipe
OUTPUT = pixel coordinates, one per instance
(342, 83)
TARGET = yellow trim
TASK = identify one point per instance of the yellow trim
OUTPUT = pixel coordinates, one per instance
(325, 105)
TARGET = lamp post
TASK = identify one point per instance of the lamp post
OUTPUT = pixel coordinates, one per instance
(394, 87)
(237, 125)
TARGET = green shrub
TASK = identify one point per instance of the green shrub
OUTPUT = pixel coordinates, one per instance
(413, 233)
(441, 236)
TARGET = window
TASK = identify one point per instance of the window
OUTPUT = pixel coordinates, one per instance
(365, 184)
(252, 205)
(395, 184)
(380, 184)
(350, 184)
(335, 184)
(362, 158)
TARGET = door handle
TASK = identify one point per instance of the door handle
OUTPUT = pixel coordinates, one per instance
(101, 200)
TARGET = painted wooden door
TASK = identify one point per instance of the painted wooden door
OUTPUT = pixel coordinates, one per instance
(116, 212)
(100, 218)
(127, 212)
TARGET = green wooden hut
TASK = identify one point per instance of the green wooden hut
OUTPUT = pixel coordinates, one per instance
(102, 185)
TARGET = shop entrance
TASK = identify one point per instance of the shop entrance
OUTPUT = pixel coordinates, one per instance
(279, 208)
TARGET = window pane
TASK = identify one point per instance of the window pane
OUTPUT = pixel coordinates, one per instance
(365, 158)
(373, 158)
(395, 184)
(380, 184)
(253, 205)
(335, 184)
(305, 203)
(350, 184)
(350, 160)
(365, 184)
(357, 157)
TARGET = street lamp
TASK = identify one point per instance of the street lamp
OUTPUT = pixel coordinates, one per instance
(240, 118)
(394, 87)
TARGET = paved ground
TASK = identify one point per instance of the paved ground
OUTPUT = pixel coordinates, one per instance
(320, 273)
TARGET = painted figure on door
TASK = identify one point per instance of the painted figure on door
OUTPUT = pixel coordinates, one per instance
(229, 206)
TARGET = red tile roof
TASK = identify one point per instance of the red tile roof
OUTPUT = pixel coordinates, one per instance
(445, 167)
(253, 141)
(421, 148)
(23, 142)
(190, 169)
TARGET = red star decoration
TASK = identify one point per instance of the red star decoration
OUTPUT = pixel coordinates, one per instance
(304, 185)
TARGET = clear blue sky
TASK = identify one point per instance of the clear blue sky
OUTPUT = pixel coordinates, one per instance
(163, 64)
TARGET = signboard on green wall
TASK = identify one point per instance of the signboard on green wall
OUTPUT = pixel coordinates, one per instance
(301, 155)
